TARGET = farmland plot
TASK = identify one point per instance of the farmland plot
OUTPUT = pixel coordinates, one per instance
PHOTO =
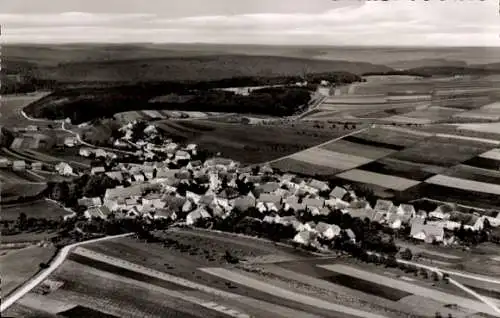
(475, 174)
(360, 150)
(402, 169)
(38, 209)
(410, 288)
(493, 154)
(388, 136)
(335, 160)
(387, 181)
(464, 184)
(303, 168)
(18, 266)
(435, 113)
(441, 151)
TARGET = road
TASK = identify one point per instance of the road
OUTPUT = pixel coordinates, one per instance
(44, 274)
(317, 146)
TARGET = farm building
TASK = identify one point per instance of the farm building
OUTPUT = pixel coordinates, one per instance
(97, 212)
(427, 232)
(328, 231)
(244, 203)
(64, 169)
(196, 215)
(304, 237)
(37, 166)
(338, 193)
(70, 141)
(97, 170)
(90, 202)
(19, 165)
(5, 163)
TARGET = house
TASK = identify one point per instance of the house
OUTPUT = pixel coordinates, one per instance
(182, 155)
(194, 164)
(101, 212)
(427, 232)
(5, 163)
(97, 170)
(166, 173)
(337, 203)
(338, 193)
(191, 147)
(19, 165)
(70, 141)
(196, 215)
(89, 202)
(292, 203)
(327, 231)
(350, 234)
(150, 129)
(37, 166)
(121, 192)
(85, 152)
(138, 177)
(243, 203)
(115, 175)
(99, 153)
(305, 237)
(270, 198)
(187, 206)
(165, 214)
(312, 203)
(64, 169)
(319, 185)
(268, 187)
(383, 206)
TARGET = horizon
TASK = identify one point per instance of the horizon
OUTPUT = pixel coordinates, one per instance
(271, 22)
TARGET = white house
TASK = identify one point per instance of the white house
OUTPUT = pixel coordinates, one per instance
(70, 141)
(328, 231)
(97, 170)
(427, 232)
(196, 215)
(19, 165)
(304, 237)
(90, 202)
(85, 152)
(64, 169)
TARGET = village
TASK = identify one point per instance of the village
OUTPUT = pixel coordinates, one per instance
(181, 188)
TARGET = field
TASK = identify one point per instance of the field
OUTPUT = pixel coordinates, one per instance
(410, 288)
(336, 160)
(19, 265)
(39, 209)
(441, 151)
(249, 143)
(387, 181)
(352, 148)
(12, 106)
(12, 191)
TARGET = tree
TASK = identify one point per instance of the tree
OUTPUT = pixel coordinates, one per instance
(407, 254)
(22, 221)
(435, 276)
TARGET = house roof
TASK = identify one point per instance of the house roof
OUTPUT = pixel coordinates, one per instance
(264, 197)
(320, 185)
(430, 230)
(383, 205)
(310, 202)
(244, 202)
(115, 175)
(407, 208)
(135, 190)
(268, 187)
(338, 192)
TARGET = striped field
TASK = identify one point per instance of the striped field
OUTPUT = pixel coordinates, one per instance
(386, 181)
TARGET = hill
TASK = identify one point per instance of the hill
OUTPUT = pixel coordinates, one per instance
(195, 68)
(408, 64)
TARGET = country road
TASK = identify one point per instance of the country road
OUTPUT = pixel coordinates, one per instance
(10, 299)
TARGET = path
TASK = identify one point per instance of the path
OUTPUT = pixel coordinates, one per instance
(10, 299)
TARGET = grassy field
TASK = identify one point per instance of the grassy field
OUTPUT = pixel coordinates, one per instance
(410, 288)
(402, 169)
(303, 168)
(39, 209)
(442, 152)
(249, 143)
(11, 191)
(383, 180)
(360, 150)
(12, 106)
(335, 160)
(19, 265)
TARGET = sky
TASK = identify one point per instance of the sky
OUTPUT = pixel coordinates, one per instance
(276, 22)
